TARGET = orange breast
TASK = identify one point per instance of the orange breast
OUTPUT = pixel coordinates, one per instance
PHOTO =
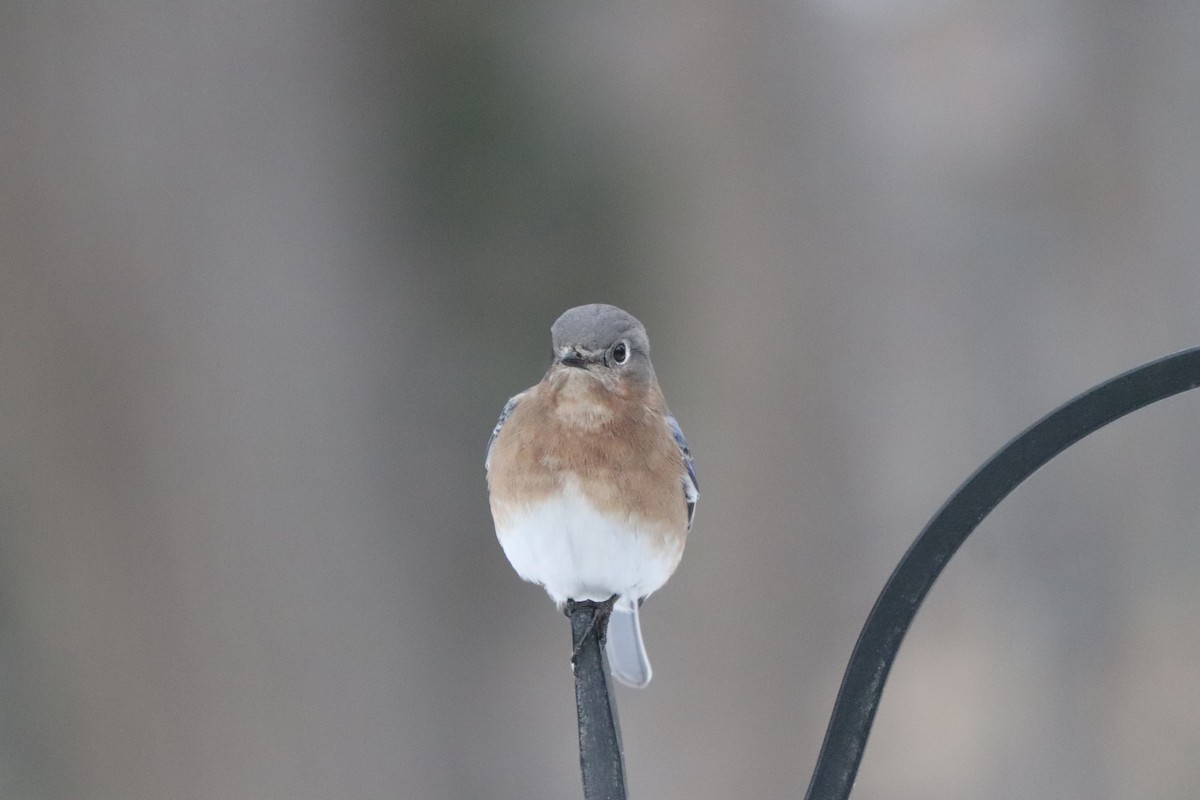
(617, 448)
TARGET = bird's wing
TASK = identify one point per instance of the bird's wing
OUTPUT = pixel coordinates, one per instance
(508, 409)
(691, 489)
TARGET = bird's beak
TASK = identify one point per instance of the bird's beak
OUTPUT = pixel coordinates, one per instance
(572, 358)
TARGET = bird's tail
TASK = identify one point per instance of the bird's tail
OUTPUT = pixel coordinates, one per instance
(626, 654)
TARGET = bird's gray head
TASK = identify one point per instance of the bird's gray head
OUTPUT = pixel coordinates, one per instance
(604, 340)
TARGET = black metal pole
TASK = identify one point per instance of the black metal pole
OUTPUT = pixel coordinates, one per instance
(858, 698)
(601, 758)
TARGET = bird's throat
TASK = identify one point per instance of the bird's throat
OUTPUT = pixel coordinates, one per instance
(583, 401)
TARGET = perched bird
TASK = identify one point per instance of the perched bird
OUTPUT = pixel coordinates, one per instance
(591, 482)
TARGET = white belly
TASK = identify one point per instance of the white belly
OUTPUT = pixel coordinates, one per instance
(576, 553)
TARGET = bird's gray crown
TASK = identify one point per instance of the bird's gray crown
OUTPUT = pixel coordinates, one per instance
(597, 326)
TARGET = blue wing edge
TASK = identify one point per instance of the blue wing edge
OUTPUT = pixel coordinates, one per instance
(691, 487)
(508, 409)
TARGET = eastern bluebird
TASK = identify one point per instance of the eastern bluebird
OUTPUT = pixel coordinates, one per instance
(591, 482)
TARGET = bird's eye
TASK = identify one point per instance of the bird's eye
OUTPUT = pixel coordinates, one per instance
(620, 353)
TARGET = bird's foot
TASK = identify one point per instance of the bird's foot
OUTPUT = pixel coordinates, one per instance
(600, 611)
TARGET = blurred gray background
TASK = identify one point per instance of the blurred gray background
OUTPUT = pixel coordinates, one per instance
(269, 270)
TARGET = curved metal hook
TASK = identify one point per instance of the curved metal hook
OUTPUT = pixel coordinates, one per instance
(862, 685)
